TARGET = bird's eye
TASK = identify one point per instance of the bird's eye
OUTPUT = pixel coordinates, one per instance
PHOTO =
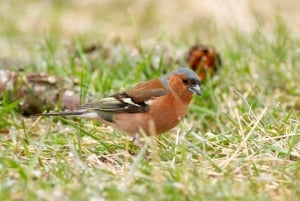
(185, 81)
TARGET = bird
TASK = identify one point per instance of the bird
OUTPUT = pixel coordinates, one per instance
(204, 60)
(152, 107)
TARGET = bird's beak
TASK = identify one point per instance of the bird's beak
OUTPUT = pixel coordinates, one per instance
(195, 89)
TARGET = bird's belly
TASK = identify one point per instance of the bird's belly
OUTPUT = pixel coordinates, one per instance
(131, 124)
(150, 124)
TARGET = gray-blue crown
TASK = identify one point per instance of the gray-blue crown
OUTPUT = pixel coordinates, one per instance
(188, 72)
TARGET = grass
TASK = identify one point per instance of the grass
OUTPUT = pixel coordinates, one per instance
(239, 141)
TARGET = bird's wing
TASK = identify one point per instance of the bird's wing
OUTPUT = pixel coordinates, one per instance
(123, 102)
(134, 100)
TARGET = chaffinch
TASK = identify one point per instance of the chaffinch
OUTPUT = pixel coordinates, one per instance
(154, 106)
(203, 59)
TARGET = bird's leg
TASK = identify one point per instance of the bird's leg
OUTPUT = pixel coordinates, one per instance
(137, 140)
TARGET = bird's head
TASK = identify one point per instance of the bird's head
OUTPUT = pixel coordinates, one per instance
(182, 81)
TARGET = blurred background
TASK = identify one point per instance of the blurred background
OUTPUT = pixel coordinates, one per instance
(25, 23)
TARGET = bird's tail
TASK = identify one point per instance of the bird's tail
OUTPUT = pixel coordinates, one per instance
(76, 113)
(67, 113)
